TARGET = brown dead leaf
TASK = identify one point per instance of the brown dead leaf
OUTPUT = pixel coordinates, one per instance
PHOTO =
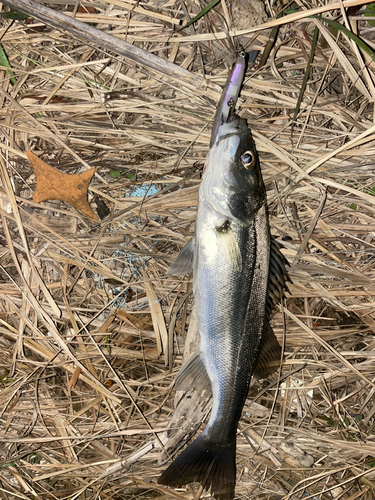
(51, 184)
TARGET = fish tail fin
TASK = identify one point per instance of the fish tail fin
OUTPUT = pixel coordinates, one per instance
(211, 464)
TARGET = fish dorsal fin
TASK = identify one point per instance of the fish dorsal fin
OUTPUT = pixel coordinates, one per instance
(230, 245)
(193, 374)
(183, 263)
(278, 276)
(269, 357)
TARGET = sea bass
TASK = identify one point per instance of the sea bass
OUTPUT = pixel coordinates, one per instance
(238, 277)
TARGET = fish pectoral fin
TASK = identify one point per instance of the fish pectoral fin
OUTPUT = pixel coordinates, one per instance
(269, 357)
(183, 263)
(230, 245)
(193, 374)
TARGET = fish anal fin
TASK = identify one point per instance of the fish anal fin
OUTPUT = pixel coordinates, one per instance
(193, 374)
(183, 263)
(208, 462)
(269, 357)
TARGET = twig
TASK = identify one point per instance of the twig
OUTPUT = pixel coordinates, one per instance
(89, 34)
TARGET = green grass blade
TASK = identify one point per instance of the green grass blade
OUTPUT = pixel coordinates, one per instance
(272, 38)
(339, 27)
(4, 62)
(14, 15)
(306, 77)
(370, 12)
(201, 13)
(270, 44)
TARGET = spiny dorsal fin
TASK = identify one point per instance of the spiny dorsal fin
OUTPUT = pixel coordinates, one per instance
(269, 357)
(278, 276)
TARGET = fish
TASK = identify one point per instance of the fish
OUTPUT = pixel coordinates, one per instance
(239, 276)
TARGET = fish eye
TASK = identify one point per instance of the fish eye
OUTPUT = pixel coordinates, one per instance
(248, 159)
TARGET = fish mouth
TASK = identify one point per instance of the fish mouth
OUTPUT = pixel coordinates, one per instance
(226, 136)
(234, 127)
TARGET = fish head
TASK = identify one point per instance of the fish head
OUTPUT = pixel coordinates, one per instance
(232, 182)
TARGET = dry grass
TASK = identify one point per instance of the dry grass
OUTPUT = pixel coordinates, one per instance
(88, 317)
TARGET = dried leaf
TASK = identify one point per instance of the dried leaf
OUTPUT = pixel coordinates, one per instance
(55, 185)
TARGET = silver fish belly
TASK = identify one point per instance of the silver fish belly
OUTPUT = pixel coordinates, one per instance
(231, 294)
